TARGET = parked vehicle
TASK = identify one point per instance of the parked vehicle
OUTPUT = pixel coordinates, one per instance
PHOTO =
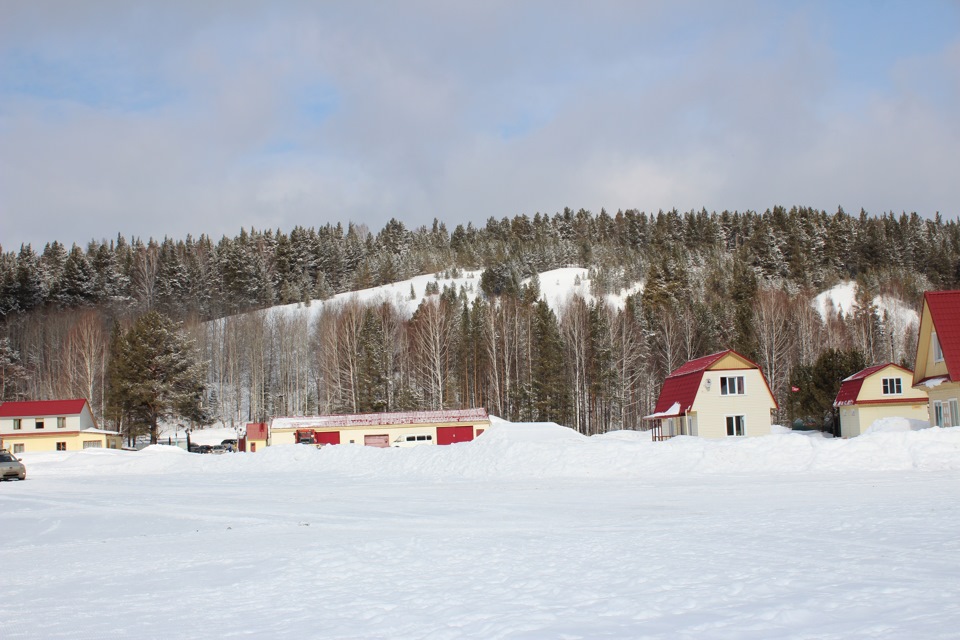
(306, 436)
(218, 449)
(413, 440)
(11, 466)
(230, 444)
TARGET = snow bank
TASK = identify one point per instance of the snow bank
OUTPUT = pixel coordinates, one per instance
(896, 425)
(547, 450)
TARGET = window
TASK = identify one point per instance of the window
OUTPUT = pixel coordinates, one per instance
(954, 413)
(937, 351)
(61, 423)
(18, 448)
(892, 386)
(937, 413)
(92, 444)
(735, 426)
(731, 385)
(39, 424)
(16, 424)
(61, 446)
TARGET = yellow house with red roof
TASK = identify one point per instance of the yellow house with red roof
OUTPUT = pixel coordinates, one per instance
(397, 429)
(52, 425)
(717, 396)
(937, 368)
(877, 392)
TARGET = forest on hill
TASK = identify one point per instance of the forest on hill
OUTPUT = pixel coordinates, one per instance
(710, 281)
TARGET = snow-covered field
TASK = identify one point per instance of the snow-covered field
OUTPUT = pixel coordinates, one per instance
(531, 531)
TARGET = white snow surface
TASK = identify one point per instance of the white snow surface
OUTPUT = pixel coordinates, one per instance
(842, 299)
(557, 287)
(896, 424)
(530, 531)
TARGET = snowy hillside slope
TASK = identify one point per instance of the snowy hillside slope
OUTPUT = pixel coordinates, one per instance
(842, 299)
(557, 286)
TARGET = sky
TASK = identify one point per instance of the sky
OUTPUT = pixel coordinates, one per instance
(175, 118)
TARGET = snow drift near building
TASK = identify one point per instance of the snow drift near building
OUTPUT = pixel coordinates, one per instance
(541, 450)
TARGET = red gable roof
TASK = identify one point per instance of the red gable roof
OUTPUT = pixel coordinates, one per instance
(257, 431)
(945, 311)
(41, 408)
(681, 386)
(850, 387)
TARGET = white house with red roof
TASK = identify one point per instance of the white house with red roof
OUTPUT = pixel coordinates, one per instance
(52, 425)
(717, 396)
(880, 391)
(937, 367)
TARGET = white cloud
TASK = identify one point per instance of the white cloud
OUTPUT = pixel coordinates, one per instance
(204, 119)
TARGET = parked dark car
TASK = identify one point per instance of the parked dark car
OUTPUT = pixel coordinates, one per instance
(11, 467)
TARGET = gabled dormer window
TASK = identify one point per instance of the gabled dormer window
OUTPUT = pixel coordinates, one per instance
(892, 386)
(937, 351)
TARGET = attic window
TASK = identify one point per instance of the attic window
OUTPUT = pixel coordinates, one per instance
(937, 351)
(731, 385)
(892, 386)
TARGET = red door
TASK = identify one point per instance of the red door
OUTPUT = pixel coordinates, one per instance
(327, 437)
(449, 435)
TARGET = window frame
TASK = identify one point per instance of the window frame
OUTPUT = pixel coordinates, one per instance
(17, 424)
(954, 406)
(61, 422)
(892, 386)
(61, 446)
(732, 422)
(739, 386)
(18, 447)
(937, 349)
(39, 423)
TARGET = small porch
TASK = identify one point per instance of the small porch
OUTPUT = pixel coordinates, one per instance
(665, 426)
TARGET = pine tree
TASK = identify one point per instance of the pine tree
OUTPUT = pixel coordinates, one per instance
(155, 375)
(171, 288)
(78, 284)
(30, 290)
(549, 396)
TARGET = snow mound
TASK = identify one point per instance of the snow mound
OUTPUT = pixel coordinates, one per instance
(543, 450)
(504, 431)
(896, 425)
(624, 435)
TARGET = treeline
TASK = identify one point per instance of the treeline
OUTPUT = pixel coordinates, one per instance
(712, 281)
